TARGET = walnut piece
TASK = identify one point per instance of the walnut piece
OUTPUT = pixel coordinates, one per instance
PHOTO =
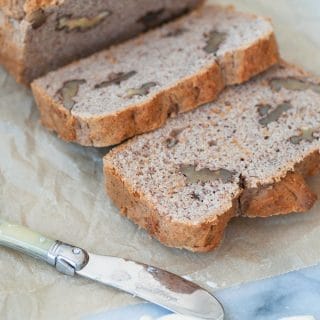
(37, 18)
(151, 18)
(81, 24)
(195, 196)
(173, 138)
(206, 175)
(173, 110)
(293, 84)
(271, 116)
(176, 32)
(214, 40)
(306, 134)
(115, 78)
(263, 109)
(68, 91)
(142, 91)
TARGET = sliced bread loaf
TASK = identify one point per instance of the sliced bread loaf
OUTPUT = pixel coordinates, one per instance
(244, 155)
(134, 87)
(37, 36)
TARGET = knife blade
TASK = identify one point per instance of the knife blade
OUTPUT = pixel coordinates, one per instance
(147, 282)
(153, 284)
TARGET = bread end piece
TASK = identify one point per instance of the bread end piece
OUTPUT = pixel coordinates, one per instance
(290, 194)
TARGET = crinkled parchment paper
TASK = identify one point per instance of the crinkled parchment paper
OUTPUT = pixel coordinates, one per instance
(57, 189)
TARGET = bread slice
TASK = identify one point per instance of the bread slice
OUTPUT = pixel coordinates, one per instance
(244, 155)
(134, 87)
(37, 36)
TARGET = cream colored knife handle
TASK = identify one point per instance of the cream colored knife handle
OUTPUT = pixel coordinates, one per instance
(66, 258)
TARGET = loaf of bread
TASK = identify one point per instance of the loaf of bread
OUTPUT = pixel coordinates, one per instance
(39, 36)
(134, 87)
(246, 154)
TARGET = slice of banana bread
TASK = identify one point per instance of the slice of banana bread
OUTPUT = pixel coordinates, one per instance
(40, 36)
(246, 154)
(134, 87)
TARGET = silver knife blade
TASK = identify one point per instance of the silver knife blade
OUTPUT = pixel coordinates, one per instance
(152, 284)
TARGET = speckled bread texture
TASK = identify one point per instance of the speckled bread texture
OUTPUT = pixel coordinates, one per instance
(246, 154)
(135, 87)
(40, 36)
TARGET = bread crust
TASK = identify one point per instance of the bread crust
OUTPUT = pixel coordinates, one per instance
(289, 194)
(11, 55)
(17, 9)
(13, 8)
(189, 93)
(8, 59)
(248, 62)
(33, 5)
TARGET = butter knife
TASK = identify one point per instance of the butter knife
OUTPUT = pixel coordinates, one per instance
(147, 282)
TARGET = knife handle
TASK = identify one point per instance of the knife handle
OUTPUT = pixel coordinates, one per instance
(64, 257)
(24, 240)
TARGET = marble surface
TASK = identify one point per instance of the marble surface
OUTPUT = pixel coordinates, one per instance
(292, 296)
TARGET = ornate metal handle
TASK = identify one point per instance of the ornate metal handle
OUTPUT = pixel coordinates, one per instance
(64, 257)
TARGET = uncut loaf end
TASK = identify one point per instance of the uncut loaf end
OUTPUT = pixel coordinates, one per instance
(37, 36)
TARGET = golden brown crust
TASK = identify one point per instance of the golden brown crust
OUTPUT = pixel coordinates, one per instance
(33, 5)
(254, 60)
(101, 131)
(290, 194)
(15, 67)
(52, 114)
(10, 54)
(18, 8)
(12, 8)
(310, 166)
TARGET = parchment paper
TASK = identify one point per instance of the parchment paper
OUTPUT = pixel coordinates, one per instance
(57, 189)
